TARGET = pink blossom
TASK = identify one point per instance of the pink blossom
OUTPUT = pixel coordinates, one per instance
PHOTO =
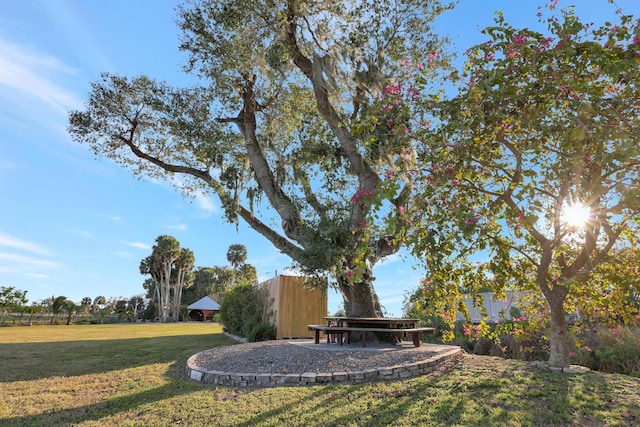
(455, 181)
(519, 40)
(350, 273)
(412, 92)
(393, 90)
(360, 193)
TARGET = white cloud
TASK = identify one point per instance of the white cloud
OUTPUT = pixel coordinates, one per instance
(203, 201)
(390, 259)
(179, 227)
(27, 75)
(7, 165)
(38, 275)
(26, 260)
(123, 254)
(82, 233)
(16, 243)
(7, 269)
(206, 203)
(114, 218)
(139, 245)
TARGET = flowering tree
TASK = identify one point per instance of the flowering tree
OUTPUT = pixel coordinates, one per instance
(280, 132)
(531, 175)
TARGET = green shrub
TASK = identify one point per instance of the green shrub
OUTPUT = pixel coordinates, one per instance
(256, 330)
(619, 351)
(150, 312)
(611, 350)
(244, 308)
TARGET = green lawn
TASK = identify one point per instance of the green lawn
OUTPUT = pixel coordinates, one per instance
(131, 375)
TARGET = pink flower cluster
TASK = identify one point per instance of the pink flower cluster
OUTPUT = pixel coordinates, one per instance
(473, 220)
(519, 40)
(362, 193)
(392, 90)
(425, 284)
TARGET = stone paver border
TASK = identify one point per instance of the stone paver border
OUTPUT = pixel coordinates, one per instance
(238, 379)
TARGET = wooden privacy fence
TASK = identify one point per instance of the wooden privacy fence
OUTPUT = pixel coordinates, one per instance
(295, 306)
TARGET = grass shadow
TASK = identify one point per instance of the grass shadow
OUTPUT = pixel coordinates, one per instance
(105, 408)
(37, 360)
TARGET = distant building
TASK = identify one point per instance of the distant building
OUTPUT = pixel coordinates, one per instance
(493, 309)
(203, 310)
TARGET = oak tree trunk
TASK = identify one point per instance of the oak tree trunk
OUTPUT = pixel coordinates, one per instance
(360, 299)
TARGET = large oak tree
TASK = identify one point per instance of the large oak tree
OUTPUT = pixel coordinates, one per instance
(275, 130)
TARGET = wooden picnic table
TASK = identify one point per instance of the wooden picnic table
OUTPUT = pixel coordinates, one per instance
(394, 327)
(373, 322)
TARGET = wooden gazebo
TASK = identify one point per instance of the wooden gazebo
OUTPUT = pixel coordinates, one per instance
(203, 310)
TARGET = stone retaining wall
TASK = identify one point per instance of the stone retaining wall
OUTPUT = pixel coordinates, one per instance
(236, 379)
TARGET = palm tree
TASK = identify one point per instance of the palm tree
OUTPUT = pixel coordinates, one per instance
(159, 265)
(71, 308)
(98, 302)
(57, 304)
(236, 255)
(184, 277)
(33, 310)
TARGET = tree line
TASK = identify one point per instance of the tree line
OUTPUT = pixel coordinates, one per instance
(14, 301)
(173, 284)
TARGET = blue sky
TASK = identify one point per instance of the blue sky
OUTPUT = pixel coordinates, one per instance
(78, 226)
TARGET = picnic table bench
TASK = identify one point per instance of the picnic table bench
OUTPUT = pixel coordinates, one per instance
(337, 331)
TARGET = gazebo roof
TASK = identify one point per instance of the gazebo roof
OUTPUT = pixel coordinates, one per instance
(204, 303)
